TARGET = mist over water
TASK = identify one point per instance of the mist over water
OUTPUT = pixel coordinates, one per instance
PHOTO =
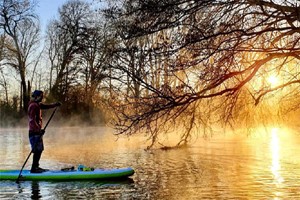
(264, 165)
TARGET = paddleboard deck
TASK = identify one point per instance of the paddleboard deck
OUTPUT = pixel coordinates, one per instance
(96, 174)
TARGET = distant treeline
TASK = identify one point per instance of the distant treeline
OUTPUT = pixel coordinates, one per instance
(9, 114)
(75, 112)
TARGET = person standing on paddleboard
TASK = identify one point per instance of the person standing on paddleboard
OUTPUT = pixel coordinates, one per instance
(35, 127)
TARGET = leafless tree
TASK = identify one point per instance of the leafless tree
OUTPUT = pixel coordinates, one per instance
(65, 36)
(219, 54)
(3, 83)
(78, 47)
(21, 30)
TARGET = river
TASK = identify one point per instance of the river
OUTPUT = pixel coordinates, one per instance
(263, 165)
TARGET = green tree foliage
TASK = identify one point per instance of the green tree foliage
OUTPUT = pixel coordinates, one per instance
(207, 63)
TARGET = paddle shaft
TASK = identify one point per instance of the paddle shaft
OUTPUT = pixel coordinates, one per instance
(50, 118)
(35, 145)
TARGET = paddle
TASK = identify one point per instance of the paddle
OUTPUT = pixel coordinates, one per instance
(35, 145)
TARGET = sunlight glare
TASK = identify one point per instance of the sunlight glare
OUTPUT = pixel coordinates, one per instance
(275, 151)
(273, 80)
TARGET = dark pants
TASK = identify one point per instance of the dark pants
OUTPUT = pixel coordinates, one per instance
(36, 160)
(37, 147)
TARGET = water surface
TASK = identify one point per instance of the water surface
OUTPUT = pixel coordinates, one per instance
(264, 165)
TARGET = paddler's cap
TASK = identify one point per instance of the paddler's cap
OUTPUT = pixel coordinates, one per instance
(37, 93)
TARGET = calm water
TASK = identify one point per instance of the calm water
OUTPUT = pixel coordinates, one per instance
(265, 165)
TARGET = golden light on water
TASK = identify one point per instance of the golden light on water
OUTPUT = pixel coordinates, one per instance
(275, 155)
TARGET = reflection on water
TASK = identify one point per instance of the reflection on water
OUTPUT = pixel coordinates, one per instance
(275, 152)
(276, 165)
(263, 166)
(35, 190)
(63, 190)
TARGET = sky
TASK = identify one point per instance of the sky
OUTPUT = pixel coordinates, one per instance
(48, 9)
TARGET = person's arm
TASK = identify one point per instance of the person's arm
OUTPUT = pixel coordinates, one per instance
(48, 106)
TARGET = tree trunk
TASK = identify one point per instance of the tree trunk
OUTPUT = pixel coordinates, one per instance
(25, 90)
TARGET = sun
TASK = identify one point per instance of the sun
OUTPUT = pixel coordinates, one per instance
(273, 81)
